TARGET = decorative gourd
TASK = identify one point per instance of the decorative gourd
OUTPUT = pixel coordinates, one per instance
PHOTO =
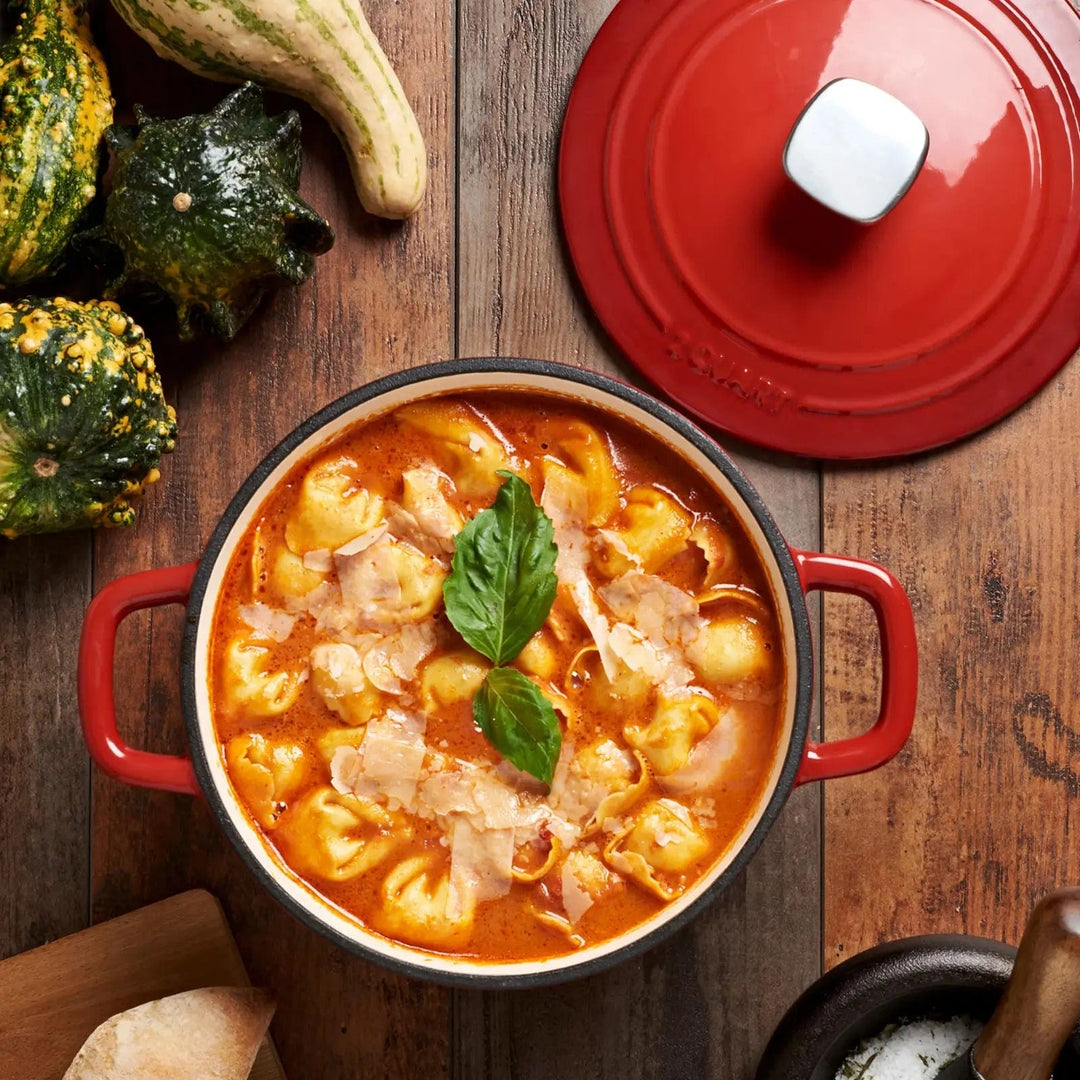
(205, 210)
(320, 50)
(83, 422)
(54, 109)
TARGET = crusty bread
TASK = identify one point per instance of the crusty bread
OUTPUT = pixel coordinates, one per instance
(210, 1034)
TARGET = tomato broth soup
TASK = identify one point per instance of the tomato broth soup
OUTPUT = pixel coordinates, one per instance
(345, 701)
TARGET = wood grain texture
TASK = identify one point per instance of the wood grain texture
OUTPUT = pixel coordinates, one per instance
(704, 1004)
(388, 297)
(380, 300)
(971, 825)
(44, 774)
(52, 998)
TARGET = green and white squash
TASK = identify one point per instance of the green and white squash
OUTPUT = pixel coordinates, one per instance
(320, 50)
(83, 422)
(55, 105)
(205, 210)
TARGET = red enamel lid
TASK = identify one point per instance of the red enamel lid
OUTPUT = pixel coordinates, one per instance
(767, 314)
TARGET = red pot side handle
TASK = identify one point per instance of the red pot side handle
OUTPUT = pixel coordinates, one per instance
(899, 665)
(97, 707)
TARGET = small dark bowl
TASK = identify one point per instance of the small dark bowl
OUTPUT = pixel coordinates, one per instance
(939, 976)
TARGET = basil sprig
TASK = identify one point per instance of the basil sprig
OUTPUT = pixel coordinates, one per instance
(502, 580)
(519, 722)
(500, 590)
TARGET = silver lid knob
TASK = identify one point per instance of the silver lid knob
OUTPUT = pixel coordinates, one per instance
(856, 149)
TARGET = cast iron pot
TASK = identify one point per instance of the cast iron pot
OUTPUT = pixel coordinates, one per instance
(791, 575)
(937, 976)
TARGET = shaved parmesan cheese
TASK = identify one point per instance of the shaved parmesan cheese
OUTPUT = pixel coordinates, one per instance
(369, 579)
(510, 774)
(665, 609)
(424, 501)
(358, 543)
(320, 560)
(267, 622)
(665, 622)
(393, 660)
(578, 789)
(346, 768)
(388, 762)
(708, 759)
(313, 602)
(446, 792)
(472, 791)
(565, 500)
(481, 865)
(343, 669)
(462, 789)
(576, 900)
(663, 613)
(618, 544)
(584, 880)
(476, 442)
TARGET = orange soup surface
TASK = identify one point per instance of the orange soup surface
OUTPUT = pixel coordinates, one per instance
(342, 696)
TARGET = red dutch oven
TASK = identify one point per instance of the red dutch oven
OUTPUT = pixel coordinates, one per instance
(791, 574)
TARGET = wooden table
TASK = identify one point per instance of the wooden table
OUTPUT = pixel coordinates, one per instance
(961, 833)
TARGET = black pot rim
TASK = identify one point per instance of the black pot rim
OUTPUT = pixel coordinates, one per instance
(795, 597)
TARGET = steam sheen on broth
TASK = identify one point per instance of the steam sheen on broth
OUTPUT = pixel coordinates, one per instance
(341, 694)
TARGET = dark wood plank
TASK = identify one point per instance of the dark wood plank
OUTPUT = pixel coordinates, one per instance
(44, 775)
(381, 300)
(704, 1004)
(972, 823)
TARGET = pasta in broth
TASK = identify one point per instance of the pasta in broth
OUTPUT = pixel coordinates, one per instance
(342, 695)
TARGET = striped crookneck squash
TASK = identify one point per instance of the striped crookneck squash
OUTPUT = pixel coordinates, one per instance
(54, 108)
(320, 50)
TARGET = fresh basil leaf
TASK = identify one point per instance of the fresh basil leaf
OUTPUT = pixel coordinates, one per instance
(502, 581)
(519, 722)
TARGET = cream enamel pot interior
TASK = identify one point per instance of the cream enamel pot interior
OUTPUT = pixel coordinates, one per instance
(791, 575)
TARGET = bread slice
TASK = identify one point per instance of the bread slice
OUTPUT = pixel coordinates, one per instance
(209, 1034)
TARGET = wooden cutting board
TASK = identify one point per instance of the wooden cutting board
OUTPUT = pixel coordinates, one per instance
(53, 997)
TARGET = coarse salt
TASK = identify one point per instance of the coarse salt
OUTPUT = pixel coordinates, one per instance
(916, 1050)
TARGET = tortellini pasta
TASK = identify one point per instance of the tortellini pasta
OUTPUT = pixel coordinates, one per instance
(677, 724)
(331, 509)
(391, 583)
(451, 678)
(733, 650)
(336, 837)
(626, 688)
(337, 675)
(718, 550)
(252, 686)
(584, 879)
(601, 780)
(653, 528)
(414, 905)
(266, 772)
(290, 578)
(331, 740)
(664, 837)
(540, 656)
(583, 454)
(467, 448)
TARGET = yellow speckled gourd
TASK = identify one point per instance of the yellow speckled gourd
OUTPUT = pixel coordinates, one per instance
(54, 108)
(83, 421)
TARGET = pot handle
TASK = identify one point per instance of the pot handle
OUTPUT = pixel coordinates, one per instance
(899, 665)
(97, 708)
